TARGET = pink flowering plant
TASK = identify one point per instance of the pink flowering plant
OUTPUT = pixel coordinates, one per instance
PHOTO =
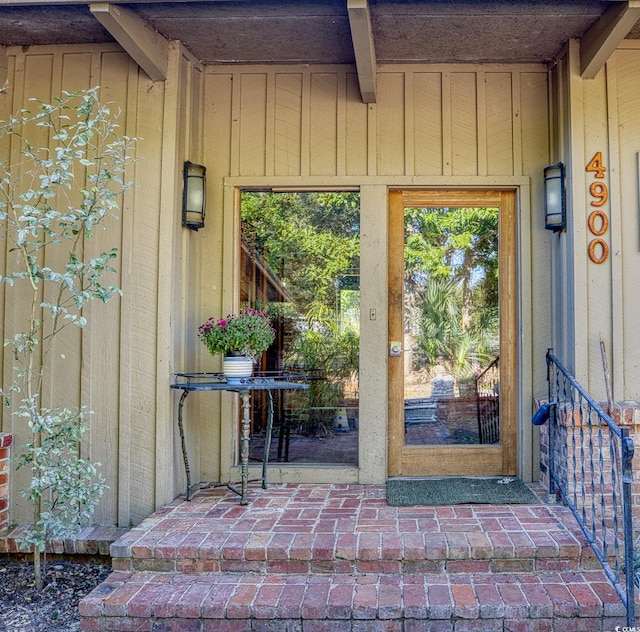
(248, 333)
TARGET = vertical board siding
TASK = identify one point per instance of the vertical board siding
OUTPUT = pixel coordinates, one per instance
(534, 157)
(221, 155)
(258, 122)
(73, 71)
(141, 299)
(628, 109)
(122, 366)
(499, 120)
(598, 281)
(253, 124)
(25, 85)
(427, 123)
(534, 124)
(179, 129)
(288, 124)
(101, 339)
(440, 121)
(205, 293)
(390, 124)
(598, 115)
(355, 145)
(110, 366)
(323, 124)
(464, 126)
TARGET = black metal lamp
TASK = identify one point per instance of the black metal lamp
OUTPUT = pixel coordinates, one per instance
(193, 197)
(555, 215)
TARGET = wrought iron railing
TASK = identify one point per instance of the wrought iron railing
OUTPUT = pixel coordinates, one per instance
(590, 469)
(488, 403)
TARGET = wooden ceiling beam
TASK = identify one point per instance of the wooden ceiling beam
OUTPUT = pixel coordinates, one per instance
(604, 36)
(144, 44)
(363, 47)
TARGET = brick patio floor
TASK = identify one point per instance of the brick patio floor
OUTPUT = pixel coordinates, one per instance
(310, 558)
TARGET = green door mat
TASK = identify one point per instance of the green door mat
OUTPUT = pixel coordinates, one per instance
(459, 491)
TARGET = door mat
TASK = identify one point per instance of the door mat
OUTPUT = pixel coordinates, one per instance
(459, 491)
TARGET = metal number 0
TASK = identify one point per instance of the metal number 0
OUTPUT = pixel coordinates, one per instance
(592, 250)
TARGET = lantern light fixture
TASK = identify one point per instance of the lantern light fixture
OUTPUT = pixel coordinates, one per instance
(555, 214)
(193, 198)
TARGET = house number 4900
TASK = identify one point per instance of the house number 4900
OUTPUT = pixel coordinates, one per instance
(598, 220)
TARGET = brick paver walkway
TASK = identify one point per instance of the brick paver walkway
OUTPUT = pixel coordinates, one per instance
(337, 557)
(351, 526)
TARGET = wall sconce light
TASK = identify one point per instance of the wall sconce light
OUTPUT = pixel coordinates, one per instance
(193, 197)
(555, 216)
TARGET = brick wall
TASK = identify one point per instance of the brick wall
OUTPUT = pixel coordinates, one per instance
(583, 453)
(5, 442)
(459, 415)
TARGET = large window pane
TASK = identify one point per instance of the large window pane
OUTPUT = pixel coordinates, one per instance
(452, 326)
(301, 264)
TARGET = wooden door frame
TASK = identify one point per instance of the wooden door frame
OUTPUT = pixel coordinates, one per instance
(469, 459)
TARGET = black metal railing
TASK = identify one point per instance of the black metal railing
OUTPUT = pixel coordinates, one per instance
(488, 403)
(590, 469)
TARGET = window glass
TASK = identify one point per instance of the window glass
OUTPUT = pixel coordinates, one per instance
(301, 264)
(452, 326)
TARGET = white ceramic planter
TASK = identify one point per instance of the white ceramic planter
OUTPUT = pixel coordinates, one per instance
(237, 368)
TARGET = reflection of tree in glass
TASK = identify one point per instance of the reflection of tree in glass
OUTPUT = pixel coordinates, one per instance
(451, 277)
(308, 239)
(311, 241)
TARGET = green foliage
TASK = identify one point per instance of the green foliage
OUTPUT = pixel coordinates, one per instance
(53, 195)
(308, 239)
(451, 271)
(249, 333)
(320, 349)
(38, 207)
(72, 484)
(453, 243)
(311, 242)
(325, 348)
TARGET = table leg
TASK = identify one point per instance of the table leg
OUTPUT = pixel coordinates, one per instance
(267, 440)
(183, 443)
(244, 445)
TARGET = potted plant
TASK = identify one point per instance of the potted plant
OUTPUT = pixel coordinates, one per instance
(241, 338)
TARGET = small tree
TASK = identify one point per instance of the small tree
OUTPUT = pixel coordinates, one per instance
(52, 198)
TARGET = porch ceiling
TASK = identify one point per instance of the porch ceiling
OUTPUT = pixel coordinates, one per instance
(365, 32)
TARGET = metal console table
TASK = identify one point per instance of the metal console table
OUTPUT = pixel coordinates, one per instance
(269, 382)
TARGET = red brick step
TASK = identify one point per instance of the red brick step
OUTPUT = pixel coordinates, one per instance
(217, 602)
(337, 558)
(306, 529)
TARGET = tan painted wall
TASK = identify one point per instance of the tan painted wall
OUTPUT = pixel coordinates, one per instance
(625, 230)
(440, 121)
(455, 126)
(600, 115)
(449, 126)
(120, 365)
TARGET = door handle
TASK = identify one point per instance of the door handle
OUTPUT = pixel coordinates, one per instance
(395, 349)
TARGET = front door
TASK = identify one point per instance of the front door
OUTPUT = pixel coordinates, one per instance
(452, 333)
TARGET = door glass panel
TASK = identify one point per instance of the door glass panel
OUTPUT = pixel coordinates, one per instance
(451, 326)
(300, 263)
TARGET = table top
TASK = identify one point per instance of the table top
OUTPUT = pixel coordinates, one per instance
(260, 381)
